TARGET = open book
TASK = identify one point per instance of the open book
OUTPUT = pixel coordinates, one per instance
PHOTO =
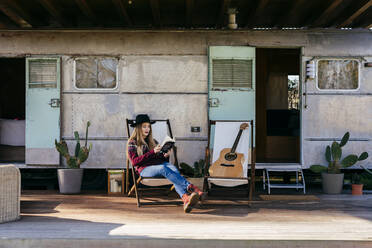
(167, 144)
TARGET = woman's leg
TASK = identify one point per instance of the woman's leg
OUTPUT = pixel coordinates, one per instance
(170, 172)
(182, 184)
(190, 187)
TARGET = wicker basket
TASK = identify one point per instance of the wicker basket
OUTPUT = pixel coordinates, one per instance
(10, 193)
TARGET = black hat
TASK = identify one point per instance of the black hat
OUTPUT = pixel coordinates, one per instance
(141, 119)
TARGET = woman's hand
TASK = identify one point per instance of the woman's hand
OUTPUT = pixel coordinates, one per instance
(157, 149)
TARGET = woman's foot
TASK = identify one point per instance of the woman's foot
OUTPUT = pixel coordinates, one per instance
(192, 188)
(189, 201)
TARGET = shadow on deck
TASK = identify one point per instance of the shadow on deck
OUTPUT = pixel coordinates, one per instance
(270, 221)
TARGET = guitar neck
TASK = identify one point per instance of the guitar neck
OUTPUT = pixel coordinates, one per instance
(236, 141)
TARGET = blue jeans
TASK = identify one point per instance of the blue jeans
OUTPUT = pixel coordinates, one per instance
(170, 172)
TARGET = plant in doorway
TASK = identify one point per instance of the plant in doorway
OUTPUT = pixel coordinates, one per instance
(332, 178)
(194, 173)
(70, 179)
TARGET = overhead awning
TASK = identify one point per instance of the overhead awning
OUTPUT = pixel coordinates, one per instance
(184, 14)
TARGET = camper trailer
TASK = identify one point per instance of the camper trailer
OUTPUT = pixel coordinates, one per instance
(302, 87)
(54, 82)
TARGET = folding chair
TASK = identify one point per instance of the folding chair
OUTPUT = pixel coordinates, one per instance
(222, 134)
(160, 129)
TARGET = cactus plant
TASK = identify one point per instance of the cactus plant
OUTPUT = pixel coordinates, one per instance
(196, 171)
(366, 169)
(81, 153)
(333, 156)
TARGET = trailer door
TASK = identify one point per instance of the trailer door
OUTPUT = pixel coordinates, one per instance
(232, 83)
(42, 110)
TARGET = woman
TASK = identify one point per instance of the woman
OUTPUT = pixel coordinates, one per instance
(144, 154)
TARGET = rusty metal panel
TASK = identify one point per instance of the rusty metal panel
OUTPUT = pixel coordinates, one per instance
(107, 112)
(164, 74)
(338, 44)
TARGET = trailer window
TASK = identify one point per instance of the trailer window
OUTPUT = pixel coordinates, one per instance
(96, 73)
(338, 74)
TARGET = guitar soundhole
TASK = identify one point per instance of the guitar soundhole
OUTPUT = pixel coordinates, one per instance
(230, 156)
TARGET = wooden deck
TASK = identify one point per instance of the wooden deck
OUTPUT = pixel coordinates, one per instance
(308, 221)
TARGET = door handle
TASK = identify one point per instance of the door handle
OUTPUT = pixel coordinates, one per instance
(55, 103)
(213, 102)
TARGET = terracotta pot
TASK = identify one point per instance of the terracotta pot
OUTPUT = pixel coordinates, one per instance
(357, 189)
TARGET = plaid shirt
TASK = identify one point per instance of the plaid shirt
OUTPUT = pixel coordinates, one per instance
(148, 158)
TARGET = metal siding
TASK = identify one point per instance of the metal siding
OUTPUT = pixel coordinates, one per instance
(164, 74)
(107, 113)
(136, 47)
(330, 114)
(112, 153)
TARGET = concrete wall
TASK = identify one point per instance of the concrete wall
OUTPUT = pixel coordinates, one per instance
(164, 74)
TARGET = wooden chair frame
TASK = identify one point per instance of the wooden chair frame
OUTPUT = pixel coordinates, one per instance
(137, 181)
(251, 167)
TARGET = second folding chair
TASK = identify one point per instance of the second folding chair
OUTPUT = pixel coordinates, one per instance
(230, 155)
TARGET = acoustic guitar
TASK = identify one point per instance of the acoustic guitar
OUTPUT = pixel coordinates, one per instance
(229, 163)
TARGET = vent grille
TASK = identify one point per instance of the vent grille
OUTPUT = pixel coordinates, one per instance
(232, 73)
(43, 74)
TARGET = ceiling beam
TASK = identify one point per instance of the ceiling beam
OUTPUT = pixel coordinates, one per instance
(155, 12)
(122, 11)
(357, 13)
(3, 26)
(49, 6)
(326, 13)
(223, 12)
(14, 16)
(257, 12)
(189, 12)
(292, 18)
(84, 7)
(13, 4)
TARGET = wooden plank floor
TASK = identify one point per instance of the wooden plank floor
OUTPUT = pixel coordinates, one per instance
(49, 215)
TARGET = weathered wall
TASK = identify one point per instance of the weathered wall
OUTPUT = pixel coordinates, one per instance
(164, 74)
(329, 114)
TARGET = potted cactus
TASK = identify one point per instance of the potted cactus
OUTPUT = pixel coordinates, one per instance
(70, 179)
(332, 178)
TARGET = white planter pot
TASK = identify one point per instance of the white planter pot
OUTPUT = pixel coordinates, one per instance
(332, 183)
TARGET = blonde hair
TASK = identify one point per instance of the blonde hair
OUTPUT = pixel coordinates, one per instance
(137, 136)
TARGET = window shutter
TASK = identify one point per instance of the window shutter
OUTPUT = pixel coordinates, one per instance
(232, 73)
(42, 73)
